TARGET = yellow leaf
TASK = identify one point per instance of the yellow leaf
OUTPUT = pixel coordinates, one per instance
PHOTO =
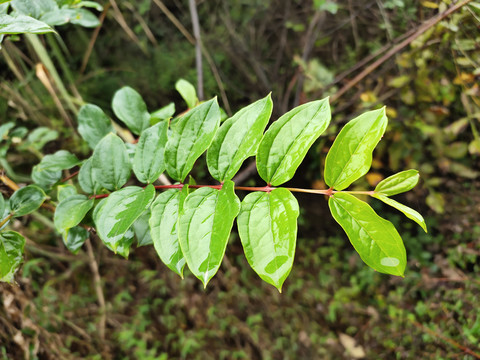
(429, 4)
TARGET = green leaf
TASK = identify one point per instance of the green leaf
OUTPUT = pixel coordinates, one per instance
(288, 139)
(398, 183)
(34, 8)
(238, 138)
(85, 18)
(74, 238)
(39, 137)
(90, 4)
(187, 91)
(350, 156)
(5, 128)
(65, 191)
(267, 225)
(148, 162)
(163, 228)
(20, 24)
(116, 214)
(45, 178)
(204, 226)
(163, 114)
(407, 211)
(375, 239)
(124, 244)
(11, 254)
(128, 106)
(191, 135)
(3, 206)
(61, 160)
(86, 180)
(110, 163)
(71, 211)
(93, 124)
(142, 230)
(26, 200)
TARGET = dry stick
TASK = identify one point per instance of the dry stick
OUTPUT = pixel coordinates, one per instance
(191, 40)
(142, 23)
(198, 47)
(98, 288)
(93, 39)
(121, 21)
(422, 29)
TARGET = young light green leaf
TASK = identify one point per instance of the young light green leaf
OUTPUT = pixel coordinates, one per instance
(238, 138)
(74, 238)
(5, 128)
(80, 17)
(71, 211)
(398, 183)
(350, 156)
(65, 191)
(163, 228)
(187, 91)
(375, 239)
(93, 124)
(39, 137)
(148, 162)
(163, 114)
(116, 214)
(288, 139)
(129, 107)
(191, 135)
(267, 225)
(142, 230)
(204, 226)
(20, 24)
(61, 160)
(11, 254)
(407, 211)
(26, 200)
(110, 163)
(86, 180)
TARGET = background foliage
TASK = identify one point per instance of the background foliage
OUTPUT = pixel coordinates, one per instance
(332, 306)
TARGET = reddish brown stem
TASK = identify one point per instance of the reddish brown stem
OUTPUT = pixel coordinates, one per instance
(70, 176)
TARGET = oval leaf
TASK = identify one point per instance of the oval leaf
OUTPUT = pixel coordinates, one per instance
(267, 225)
(204, 227)
(110, 163)
(163, 228)
(11, 254)
(148, 162)
(238, 138)
(93, 124)
(288, 139)
(187, 91)
(407, 211)
(61, 160)
(86, 179)
(20, 24)
(350, 156)
(74, 238)
(375, 239)
(128, 106)
(398, 183)
(65, 191)
(26, 200)
(116, 214)
(71, 211)
(191, 135)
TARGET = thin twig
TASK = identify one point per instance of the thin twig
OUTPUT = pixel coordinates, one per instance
(198, 47)
(123, 23)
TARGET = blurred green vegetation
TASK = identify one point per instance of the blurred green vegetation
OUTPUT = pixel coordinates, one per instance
(333, 306)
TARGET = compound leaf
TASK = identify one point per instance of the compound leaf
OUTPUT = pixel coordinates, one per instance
(267, 225)
(398, 183)
(238, 138)
(128, 106)
(350, 156)
(407, 211)
(204, 227)
(191, 135)
(11, 254)
(26, 200)
(375, 239)
(93, 124)
(288, 139)
(148, 162)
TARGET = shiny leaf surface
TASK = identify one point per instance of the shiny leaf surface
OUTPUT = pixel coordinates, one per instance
(86, 179)
(115, 215)
(61, 160)
(128, 106)
(11, 254)
(26, 200)
(350, 156)
(74, 238)
(375, 239)
(71, 211)
(204, 227)
(163, 228)
(407, 211)
(238, 138)
(93, 124)
(191, 135)
(288, 139)
(110, 163)
(65, 191)
(142, 230)
(398, 183)
(148, 162)
(45, 178)
(19, 24)
(267, 225)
